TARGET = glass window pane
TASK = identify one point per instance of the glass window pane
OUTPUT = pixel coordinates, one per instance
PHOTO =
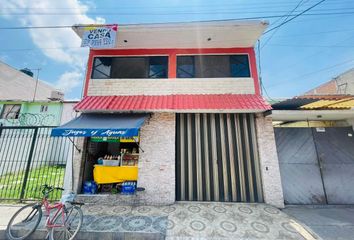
(102, 68)
(158, 67)
(239, 66)
(129, 67)
(185, 67)
(11, 111)
(212, 66)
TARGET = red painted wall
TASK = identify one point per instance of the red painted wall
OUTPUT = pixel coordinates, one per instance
(172, 53)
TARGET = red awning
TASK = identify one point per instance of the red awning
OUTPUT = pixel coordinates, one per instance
(175, 103)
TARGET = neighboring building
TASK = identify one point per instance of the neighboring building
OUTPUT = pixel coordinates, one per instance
(315, 139)
(194, 88)
(342, 84)
(24, 101)
(16, 85)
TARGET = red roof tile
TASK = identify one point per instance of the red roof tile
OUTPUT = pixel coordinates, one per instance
(178, 103)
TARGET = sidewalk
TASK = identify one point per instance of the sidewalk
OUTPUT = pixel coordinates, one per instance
(186, 220)
(328, 221)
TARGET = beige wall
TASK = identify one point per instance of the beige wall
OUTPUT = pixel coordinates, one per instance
(268, 157)
(107, 87)
(157, 162)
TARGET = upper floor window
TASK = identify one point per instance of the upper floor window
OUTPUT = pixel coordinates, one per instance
(130, 67)
(213, 66)
(10, 111)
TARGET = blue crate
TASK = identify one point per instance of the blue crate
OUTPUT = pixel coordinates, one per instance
(128, 188)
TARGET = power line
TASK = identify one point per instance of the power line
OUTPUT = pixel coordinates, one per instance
(217, 11)
(314, 72)
(231, 19)
(311, 46)
(286, 18)
(250, 5)
(297, 15)
(311, 55)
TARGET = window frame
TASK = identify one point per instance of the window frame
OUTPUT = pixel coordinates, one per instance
(43, 107)
(217, 54)
(130, 56)
(10, 104)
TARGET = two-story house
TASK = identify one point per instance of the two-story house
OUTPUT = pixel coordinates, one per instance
(191, 93)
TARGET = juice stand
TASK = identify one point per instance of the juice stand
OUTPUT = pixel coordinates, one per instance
(112, 152)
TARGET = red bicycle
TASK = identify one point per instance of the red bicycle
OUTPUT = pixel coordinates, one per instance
(63, 219)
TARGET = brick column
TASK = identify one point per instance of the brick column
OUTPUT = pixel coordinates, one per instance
(271, 181)
(157, 162)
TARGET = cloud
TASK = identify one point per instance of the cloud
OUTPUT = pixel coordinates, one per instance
(69, 80)
(60, 44)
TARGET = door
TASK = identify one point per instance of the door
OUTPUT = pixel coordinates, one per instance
(299, 166)
(217, 158)
(316, 164)
(335, 147)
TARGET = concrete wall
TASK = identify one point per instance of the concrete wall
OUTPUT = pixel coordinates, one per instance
(157, 162)
(16, 85)
(111, 87)
(269, 164)
(68, 112)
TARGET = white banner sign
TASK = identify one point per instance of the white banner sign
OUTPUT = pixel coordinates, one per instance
(100, 37)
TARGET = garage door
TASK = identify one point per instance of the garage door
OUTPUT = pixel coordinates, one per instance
(316, 165)
(217, 158)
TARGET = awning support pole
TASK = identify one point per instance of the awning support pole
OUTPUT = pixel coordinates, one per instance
(78, 149)
(138, 145)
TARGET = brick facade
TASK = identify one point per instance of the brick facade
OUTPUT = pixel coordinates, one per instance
(269, 164)
(112, 87)
(157, 162)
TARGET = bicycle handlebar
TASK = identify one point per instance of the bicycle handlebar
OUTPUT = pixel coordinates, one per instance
(48, 189)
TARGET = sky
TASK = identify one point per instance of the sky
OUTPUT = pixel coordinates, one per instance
(295, 57)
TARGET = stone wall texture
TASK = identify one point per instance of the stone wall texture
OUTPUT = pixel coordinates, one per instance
(269, 164)
(157, 162)
(78, 164)
(112, 87)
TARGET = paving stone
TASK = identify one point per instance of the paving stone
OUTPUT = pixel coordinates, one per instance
(185, 221)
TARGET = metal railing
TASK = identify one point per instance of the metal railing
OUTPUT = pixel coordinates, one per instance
(29, 158)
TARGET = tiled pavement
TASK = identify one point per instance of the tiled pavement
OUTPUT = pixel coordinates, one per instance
(193, 220)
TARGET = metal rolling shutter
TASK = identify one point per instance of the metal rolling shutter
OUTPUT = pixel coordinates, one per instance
(217, 158)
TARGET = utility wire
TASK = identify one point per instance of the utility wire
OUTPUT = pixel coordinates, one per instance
(314, 72)
(297, 15)
(232, 19)
(286, 18)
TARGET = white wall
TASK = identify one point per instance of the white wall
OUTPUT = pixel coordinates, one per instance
(111, 87)
(16, 85)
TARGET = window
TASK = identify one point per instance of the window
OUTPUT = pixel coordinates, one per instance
(239, 66)
(10, 111)
(130, 67)
(185, 67)
(44, 108)
(213, 66)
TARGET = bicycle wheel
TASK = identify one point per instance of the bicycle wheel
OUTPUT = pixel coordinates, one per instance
(24, 222)
(71, 226)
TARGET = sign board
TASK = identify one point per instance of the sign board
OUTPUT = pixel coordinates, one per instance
(62, 132)
(100, 37)
(115, 139)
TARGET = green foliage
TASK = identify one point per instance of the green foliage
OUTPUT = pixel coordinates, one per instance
(11, 184)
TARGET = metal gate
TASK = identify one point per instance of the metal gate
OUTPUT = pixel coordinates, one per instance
(217, 158)
(29, 158)
(316, 165)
